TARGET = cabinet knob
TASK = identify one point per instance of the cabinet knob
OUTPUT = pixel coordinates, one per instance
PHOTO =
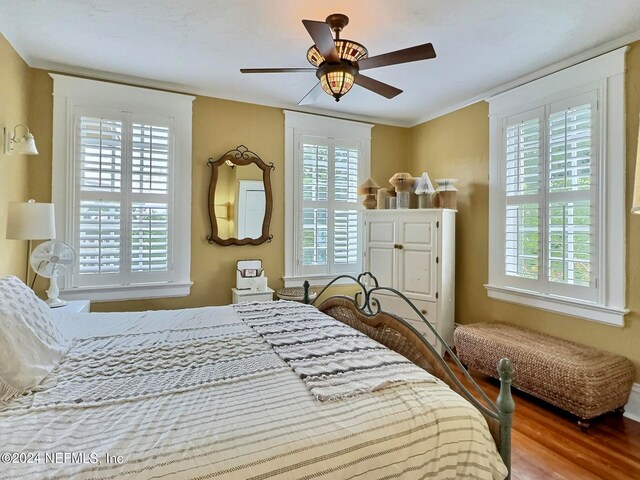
(395, 245)
(400, 247)
(423, 311)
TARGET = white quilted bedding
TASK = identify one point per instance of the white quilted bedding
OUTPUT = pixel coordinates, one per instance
(199, 393)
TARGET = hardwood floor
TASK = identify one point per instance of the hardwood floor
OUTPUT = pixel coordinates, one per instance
(547, 443)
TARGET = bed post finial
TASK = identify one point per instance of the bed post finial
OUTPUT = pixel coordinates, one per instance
(305, 285)
(506, 406)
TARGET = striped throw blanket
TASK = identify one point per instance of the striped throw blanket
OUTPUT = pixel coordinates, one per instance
(199, 394)
(333, 359)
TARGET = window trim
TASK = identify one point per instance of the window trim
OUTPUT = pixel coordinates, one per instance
(606, 75)
(72, 92)
(297, 124)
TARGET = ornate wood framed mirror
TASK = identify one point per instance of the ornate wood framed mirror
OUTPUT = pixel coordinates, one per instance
(240, 198)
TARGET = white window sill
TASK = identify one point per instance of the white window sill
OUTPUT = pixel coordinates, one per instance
(127, 292)
(565, 306)
(319, 280)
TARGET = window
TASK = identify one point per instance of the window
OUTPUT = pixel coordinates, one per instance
(325, 160)
(556, 205)
(122, 156)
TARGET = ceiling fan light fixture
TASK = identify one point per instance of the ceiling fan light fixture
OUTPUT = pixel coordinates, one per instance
(336, 80)
(337, 62)
(347, 50)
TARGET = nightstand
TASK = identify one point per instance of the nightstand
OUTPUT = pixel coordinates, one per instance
(74, 306)
(243, 296)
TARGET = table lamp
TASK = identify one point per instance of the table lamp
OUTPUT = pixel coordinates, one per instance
(30, 221)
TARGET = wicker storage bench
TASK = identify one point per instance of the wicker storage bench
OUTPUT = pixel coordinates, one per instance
(582, 380)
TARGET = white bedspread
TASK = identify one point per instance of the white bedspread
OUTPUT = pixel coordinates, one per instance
(197, 393)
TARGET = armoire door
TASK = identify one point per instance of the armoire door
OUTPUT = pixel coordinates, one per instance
(417, 256)
(381, 235)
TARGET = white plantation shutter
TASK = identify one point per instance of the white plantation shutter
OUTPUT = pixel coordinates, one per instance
(315, 198)
(150, 159)
(330, 227)
(346, 237)
(549, 169)
(121, 186)
(325, 161)
(345, 219)
(150, 178)
(523, 152)
(123, 215)
(556, 199)
(149, 237)
(100, 151)
(99, 237)
(571, 216)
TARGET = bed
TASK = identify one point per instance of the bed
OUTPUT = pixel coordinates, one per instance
(252, 391)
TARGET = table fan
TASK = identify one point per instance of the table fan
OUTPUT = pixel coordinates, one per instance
(52, 260)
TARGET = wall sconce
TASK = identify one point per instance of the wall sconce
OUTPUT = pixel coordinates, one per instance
(22, 145)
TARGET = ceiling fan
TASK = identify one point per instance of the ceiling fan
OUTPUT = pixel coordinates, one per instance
(337, 62)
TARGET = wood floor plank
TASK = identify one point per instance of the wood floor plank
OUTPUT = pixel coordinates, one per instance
(547, 443)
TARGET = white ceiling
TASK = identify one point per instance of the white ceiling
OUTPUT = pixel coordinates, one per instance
(198, 46)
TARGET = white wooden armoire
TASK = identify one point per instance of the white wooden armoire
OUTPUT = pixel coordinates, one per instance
(413, 251)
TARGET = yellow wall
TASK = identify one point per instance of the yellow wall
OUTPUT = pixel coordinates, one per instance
(457, 146)
(218, 126)
(14, 109)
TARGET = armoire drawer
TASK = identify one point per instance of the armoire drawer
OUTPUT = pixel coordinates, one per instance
(399, 307)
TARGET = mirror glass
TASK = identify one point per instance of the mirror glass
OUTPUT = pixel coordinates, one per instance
(240, 201)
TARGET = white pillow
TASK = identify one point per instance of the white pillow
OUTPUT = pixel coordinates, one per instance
(30, 344)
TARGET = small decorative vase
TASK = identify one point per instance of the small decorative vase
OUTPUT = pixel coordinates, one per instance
(370, 202)
(383, 195)
(424, 200)
(447, 193)
(402, 200)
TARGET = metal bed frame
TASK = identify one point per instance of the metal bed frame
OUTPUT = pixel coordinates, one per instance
(364, 312)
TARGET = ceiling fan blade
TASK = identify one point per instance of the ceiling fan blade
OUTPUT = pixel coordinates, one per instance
(321, 34)
(312, 96)
(377, 87)
(277, 70)
(412, 54)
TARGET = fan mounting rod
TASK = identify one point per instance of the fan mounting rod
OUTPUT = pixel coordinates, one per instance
(337, 21)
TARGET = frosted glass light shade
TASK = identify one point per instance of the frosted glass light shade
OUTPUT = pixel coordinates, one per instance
(19, 144)
(26, 145)
(31, 221)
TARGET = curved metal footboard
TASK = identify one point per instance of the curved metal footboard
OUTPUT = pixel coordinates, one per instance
(364, 313)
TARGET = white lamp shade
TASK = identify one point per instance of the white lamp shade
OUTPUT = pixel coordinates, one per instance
(31, 221)
(26, 145)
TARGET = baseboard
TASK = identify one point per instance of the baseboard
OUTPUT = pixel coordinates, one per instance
(632, 408)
